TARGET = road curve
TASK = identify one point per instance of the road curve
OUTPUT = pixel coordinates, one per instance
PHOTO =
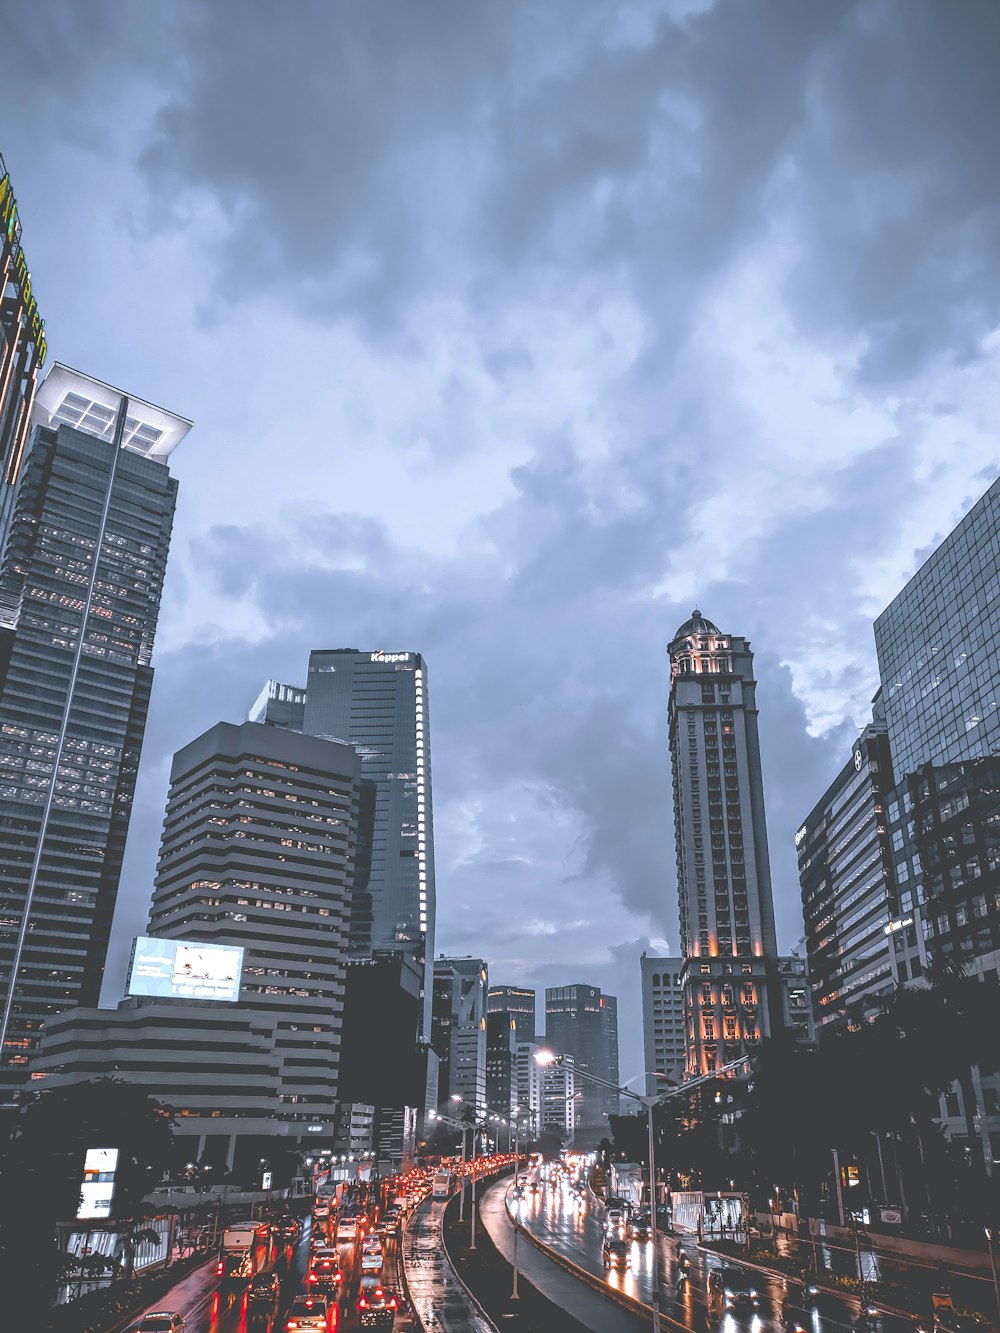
(441, 1302)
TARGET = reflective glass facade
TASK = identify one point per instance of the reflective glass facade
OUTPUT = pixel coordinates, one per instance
(938, 643)
(81, 574)
(377, 702)
(583, 1023)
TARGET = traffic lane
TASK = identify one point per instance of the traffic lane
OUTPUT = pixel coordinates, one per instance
(572, 1226)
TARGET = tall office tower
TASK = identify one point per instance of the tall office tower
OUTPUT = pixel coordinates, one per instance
(81, 572)
(937, 646)
(576, 1025)
(723, 871)
(279, 705)
(510, 1019)
(458, 1030)
(662, 1018)
(22, 346)
(848, 885)
(256, 854)
(518, 1002)
(501, 1044)
(609, 1010)
(258, 851)
(527, 1089)
(559, 1110)
(382, 1005)
(377, 702)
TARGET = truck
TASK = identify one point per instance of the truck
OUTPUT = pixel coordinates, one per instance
(443, 1181)
(244, 1245)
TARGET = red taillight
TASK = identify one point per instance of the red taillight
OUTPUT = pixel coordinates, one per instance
(220, 1268)
(313, 1278)
(392, 1303)
(362, 1304)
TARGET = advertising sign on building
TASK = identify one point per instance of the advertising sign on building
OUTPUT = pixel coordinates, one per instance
(185, 969)
(98, 1186)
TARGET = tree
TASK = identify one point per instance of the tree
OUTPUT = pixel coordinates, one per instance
(42, 1169)
(128, 1244)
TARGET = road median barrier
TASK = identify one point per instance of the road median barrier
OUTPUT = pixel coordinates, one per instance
(630, 1303)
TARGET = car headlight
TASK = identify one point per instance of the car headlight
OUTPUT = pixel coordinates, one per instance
(727, 1293)
(753, 1294)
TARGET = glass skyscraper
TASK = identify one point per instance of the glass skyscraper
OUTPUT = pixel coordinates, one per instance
(938, 643)
(582, 1023)
(377, 702)
(22, 344)
(81, 573)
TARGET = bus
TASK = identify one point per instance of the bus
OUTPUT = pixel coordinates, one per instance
(443, 1181)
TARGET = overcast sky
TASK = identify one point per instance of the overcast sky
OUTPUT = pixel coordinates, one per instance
(512, 332)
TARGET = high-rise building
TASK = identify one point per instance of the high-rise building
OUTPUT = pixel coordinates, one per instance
(662, 1018)
(559, 1093)
(81, 573)
(22, 346)
(848, 885)
(577, 1024)
(377, 702)
(501, 1046)
(257, 853)
(458, 1030)
(279, 705)
(519, 1003)
(723, 870)
(510, 1020)
(527, 1089)
(937, 644)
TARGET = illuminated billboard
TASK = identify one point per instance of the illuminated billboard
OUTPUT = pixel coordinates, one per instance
(98, 1186)
(185, 970)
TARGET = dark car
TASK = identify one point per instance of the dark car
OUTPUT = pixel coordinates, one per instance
(616, 1254)
(264, 1287)
(731, 1287)
(377, 1308)
(291, 1228)
(640, 1226)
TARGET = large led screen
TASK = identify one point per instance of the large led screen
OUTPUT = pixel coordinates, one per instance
(185, 970)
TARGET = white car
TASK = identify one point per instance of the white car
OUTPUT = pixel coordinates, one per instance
(372, 1260)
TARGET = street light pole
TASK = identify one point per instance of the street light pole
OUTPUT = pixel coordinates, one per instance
(548, 1058)
(517, 1164)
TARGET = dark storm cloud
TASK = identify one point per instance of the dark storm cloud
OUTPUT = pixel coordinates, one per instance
(511, 332)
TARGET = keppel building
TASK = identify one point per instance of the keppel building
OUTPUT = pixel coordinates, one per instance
(81, 574)
(510, 1020)
(723, 869)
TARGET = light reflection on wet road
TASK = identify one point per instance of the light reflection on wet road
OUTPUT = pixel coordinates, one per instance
(573, 1225)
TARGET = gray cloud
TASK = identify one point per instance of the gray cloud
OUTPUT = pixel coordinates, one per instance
(511, 332)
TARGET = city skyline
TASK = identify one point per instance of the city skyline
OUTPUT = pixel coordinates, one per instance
(521, 506)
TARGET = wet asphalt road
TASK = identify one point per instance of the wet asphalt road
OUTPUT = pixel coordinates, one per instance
(206, 1309)
(573, 1225)
(438, 1297)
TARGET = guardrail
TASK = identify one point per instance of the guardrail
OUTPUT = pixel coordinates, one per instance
(630, 1303)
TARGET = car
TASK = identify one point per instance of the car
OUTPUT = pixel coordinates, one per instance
(291, 1228)
(312, 1314)
(161, 1321)
(640, 1227)
(372, 1260)
(264, 1287)
(377, 1308)
(798, 1309)
(616, 1254)
(325, 1273)
(732, 1287)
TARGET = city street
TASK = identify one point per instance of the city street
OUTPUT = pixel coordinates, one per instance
(207, 1310)
(573, 1226)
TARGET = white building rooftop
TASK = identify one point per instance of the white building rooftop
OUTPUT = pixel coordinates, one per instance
(70, 397)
